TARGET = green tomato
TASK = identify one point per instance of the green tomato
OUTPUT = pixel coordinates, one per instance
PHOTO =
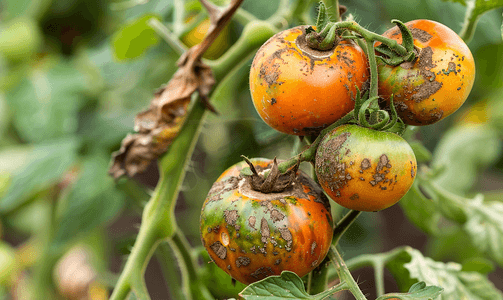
(19, 39)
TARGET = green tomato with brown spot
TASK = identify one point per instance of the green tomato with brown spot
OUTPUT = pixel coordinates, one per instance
(251, 234)
(365, 169)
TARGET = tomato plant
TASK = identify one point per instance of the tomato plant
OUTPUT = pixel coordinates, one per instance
(437, 82)
(299, 90)
(364, 169)
(252, 234)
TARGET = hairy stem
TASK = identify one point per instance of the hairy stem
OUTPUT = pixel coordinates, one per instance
(167, 36)
(344, 273)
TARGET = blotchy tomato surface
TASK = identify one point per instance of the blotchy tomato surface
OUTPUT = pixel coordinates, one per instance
(364, 169)
(437, 83)
(300, 91)
(252, 235)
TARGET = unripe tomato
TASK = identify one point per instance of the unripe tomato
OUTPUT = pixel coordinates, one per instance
(437, 83)
(298, 90)
(196, 35)
(365, 169)
(19, 39)
(252, 235)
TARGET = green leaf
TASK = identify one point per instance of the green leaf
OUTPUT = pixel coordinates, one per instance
(46, 103)
(464, 151)
(420, 210)
(47, 164)
(92, 201)
(485, 227)
(480, 6)
(457, 284)
(420, 151)
(286, 286)
(418, 291)
(135, 38)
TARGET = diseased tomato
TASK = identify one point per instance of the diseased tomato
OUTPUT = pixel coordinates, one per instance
(437, 83)
(364, 169)
(252, 235)
(300, 91)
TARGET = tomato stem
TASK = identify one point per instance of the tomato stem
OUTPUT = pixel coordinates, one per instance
(344, 274)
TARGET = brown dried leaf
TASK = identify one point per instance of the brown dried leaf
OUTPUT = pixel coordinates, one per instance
(158, 126)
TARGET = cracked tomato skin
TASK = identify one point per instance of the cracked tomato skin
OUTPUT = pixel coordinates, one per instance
(300, 91)
(437, 83)
(365, 169)
(251, 235)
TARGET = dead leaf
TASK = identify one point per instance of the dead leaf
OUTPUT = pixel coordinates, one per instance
(158, 126)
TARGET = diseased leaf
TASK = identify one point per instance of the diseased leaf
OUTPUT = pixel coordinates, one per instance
(135, 38)
(418, 291)
(286, 286)
(485, 227)
(457, 284)
(47, 164)
(158, 126)
(46, 103)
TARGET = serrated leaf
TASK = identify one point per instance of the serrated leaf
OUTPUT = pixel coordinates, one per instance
(46, 103)
(286, 286)
(464, 151)
(485, 227)
(91, 202)
(135, 38)
(418, 291)
(47, 163)
(420, 210)
(458, 285)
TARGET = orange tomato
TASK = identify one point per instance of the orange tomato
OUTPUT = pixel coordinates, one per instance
(437, 83)
(365, 169)
(300, 91)
(251, 235)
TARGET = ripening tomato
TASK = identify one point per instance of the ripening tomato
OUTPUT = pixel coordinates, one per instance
(437, 83)
(300, 91)
(251, 235)
(196, 35)
(365, 169)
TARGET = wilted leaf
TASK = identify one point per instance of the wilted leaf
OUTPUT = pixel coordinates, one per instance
(135, 38)
(47, 164)
(286, 286)
(158, 126)
(457, 284)
(418, 291)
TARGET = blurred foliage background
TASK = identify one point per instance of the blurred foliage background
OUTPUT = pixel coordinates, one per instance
(74, 73)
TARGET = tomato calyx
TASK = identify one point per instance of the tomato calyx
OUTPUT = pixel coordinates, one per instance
(272, 181)
(325, 36)
(391, 57)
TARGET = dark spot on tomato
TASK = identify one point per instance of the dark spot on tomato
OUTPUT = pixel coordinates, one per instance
(251, 221)
(273, 101)
(354, 197)
(430, 85)
(420, 35)
(287, 236)
(264, 230)
(365, 164)
(277, 261)
(276, 216)
(231, 217)
(313, 247)
(219, 250)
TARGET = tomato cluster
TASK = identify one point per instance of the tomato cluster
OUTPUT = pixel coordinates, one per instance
(258, 225)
